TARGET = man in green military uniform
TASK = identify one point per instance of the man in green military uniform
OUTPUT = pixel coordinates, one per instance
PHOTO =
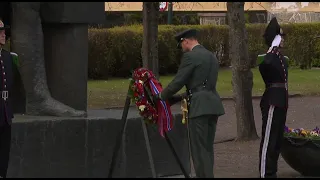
(198, 71)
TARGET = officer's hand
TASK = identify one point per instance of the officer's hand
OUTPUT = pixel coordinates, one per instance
(176, 98)
(184, 95)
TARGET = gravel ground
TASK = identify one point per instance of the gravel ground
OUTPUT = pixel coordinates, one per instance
(240, 159)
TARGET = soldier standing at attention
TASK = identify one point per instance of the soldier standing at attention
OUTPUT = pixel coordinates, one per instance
(198, 71)
(6, 115)
(274, 102)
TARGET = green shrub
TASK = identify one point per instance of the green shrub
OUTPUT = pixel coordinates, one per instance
(116, 51)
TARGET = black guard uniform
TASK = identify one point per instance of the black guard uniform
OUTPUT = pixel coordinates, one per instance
(274, 102)
(6, 113)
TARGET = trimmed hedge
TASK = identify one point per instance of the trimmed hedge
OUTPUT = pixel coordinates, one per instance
(116, 51)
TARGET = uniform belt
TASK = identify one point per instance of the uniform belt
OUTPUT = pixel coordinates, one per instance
(196, 89)
(278, 85)
(4, 95)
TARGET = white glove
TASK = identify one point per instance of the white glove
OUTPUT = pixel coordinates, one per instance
(276, 42)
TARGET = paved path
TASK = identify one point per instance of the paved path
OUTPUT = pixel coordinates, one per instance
(235, 159)
(303, 112)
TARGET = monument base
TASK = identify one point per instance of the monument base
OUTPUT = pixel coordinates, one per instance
(53, 147)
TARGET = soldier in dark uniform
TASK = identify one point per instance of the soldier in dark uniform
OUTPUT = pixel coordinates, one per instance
(198, 71)
(6, 115)
(274, 102)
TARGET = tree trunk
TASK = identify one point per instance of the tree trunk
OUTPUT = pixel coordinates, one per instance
(242, 77)
(149, 49)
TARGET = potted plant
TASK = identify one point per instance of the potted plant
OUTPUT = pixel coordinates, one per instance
(301, 150)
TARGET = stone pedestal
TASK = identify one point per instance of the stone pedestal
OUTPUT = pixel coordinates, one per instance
(66, 57)
(52, 147)
(18, 93)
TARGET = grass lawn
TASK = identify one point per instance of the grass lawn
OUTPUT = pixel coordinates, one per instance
(112, 93)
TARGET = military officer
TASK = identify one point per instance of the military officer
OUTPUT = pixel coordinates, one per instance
(6, 115)
(198, 71)
(274, 102)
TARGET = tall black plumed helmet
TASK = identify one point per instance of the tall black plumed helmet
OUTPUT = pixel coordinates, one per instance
(272, 30)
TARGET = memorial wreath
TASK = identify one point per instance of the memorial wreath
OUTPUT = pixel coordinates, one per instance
(143, 87)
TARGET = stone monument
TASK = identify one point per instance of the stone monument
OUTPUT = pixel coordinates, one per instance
(51, 39)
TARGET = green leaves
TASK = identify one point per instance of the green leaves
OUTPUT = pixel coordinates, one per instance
(115, 51)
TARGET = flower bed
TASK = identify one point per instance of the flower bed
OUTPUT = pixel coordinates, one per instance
(302, 133)
(301, 150)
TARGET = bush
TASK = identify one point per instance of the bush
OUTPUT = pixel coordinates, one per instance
(116, 51)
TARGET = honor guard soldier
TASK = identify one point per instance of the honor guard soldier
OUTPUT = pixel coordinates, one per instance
(274, 102)
(198, 71)
(6, 115)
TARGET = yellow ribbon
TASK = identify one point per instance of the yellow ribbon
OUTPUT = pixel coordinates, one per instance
(184, 109)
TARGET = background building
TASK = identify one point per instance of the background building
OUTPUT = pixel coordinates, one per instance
(126, 13)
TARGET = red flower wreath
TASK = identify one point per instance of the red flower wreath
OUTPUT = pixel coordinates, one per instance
(143, 85)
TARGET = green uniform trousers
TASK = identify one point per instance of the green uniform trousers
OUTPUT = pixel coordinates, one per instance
(202, 132)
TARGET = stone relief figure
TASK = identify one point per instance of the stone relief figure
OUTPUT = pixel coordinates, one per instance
(50, 39)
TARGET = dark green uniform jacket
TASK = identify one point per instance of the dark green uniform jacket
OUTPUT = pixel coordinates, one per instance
(194, 69)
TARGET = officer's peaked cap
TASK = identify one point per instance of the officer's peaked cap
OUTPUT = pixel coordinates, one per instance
(2, 26)
(186, 34)
(271, 31)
